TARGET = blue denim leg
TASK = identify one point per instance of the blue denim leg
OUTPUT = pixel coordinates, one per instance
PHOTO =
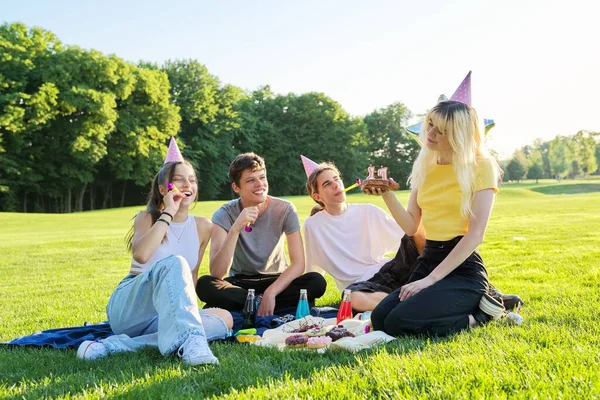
(164, 292)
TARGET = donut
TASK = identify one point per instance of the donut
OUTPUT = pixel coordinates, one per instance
(339, 332)
(318, 342)
(316, 332)
(296, 340)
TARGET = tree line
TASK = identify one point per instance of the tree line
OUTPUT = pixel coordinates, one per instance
(81, 130)
(575, 156)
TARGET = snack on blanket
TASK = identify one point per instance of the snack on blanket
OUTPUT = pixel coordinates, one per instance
(384, 183)
(339, 332)
(296, 340)
(316, 332)
(305, 328)
(318, 342)
(248, 338)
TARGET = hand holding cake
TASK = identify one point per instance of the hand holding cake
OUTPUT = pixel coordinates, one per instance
(371, 185)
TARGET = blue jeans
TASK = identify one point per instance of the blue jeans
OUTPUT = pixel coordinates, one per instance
(159, 308)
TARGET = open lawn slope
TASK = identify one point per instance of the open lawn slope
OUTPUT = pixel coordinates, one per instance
(543, 242)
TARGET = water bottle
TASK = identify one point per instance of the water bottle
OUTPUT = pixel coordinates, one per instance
(345, 311)
(514, 318)
(249, 310)
(302, 310)
(365, 316)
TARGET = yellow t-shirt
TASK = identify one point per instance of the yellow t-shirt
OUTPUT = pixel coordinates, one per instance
(439, 198)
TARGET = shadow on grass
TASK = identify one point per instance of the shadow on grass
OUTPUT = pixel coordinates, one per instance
(573, 188)
(35, 373)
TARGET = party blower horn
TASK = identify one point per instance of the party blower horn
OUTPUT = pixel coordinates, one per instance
(172, 187)
(357, 184)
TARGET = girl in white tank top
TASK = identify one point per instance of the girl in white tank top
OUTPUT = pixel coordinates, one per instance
(167, 245)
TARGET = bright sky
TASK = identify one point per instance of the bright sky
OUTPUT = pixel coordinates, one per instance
(536, 64)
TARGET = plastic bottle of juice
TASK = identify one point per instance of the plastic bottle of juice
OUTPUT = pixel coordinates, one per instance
(302, 310)
(345, 311)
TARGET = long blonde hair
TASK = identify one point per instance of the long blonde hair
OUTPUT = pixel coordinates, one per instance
(312, 184)
(459, 122)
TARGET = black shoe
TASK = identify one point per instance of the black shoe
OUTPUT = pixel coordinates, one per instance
(512, 302)
(489, 308)
(481, 318)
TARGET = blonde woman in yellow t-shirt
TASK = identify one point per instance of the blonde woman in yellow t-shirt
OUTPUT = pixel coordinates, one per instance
(454, 181)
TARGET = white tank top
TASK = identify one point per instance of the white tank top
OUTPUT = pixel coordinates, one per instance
(182, 240)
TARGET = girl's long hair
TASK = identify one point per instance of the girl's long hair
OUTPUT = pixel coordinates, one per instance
(155, 203)
(459, 122)
(312, 185)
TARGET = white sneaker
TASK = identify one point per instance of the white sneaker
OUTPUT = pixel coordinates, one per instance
(90, 350)
(195, 351)
(492, 306)
(514, 318)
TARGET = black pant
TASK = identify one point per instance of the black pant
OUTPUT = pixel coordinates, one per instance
(394, 273)
(230, 293)
(440, 309)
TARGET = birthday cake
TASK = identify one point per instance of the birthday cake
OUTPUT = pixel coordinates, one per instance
(384, 183)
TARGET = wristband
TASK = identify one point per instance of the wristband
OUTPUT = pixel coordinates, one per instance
(164, 212)
(163, 220)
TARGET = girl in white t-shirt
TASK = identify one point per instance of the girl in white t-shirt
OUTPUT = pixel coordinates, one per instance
(350, 242)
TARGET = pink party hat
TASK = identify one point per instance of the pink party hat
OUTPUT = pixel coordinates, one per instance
(173, 154)
(309, 165)
(463, 93)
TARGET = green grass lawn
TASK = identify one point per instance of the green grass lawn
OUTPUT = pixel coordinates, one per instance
(59, 270)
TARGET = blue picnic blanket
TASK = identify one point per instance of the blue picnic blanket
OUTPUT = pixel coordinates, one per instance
(72, 337)
(63, 338)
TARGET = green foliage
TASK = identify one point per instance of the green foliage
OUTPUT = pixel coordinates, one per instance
(389, 142)
(536, 172)
(283, 127)
(517, 166)
(208, 122)
(505, 174)
(535, 169)
(560, 156)
(75, 119)
(82, 130)
(585, 148)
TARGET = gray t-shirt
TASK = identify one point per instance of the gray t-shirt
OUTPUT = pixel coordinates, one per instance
(260, 251)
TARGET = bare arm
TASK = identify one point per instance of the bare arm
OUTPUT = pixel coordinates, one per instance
(409, 219)
(223, 243)
(293, 271)
(482, 208)
(146, 236)
(204, 227)
(222, 246)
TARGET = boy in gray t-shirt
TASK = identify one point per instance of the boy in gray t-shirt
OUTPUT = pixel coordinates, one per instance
(260, 251)
(248, 244)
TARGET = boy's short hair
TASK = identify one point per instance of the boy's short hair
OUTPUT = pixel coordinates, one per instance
(243, 162)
